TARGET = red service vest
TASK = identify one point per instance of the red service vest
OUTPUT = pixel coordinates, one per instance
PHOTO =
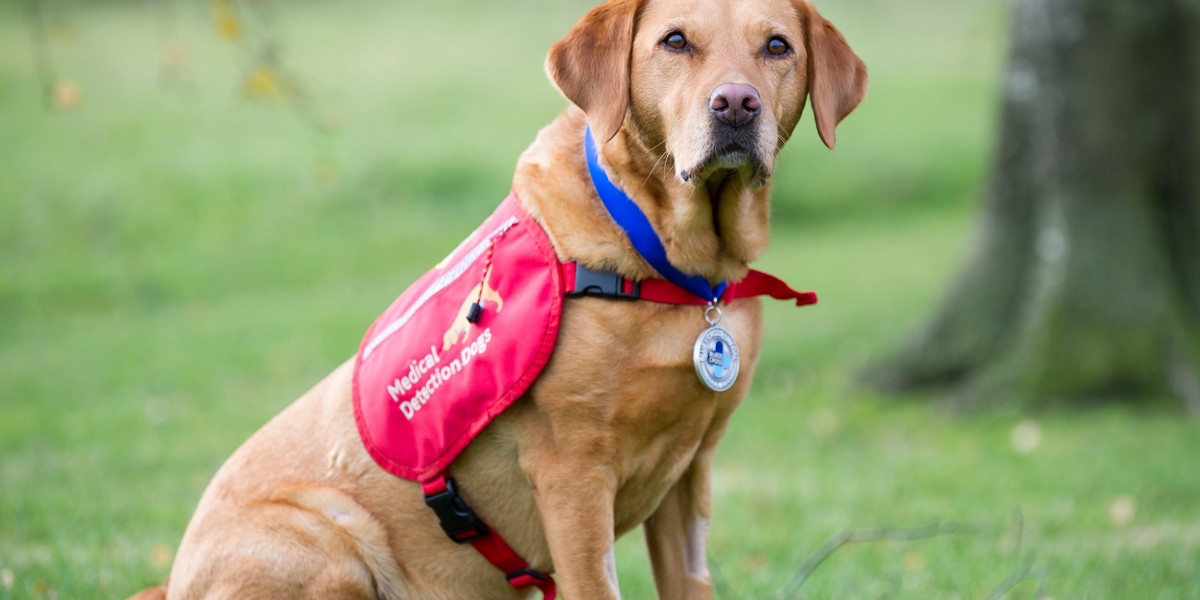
(434, 370)
(426, 379)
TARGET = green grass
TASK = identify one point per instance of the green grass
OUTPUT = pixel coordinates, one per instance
(177, 263)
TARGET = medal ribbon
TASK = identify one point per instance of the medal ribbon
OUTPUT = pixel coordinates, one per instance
(645, 240)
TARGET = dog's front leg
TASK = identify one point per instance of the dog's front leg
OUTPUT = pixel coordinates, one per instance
(576, 504)
(677, 536)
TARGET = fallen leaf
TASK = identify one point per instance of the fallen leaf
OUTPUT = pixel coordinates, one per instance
(326, 172)
(67, 94)
(823, 421)
(1121, 510)
(42, 588)
(264, 82)
(227, 23)
(172, 55)
(1026, 436)
(754, 562)
(914, 561)
(160, 556)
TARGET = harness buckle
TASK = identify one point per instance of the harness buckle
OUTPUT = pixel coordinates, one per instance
(604, 285)
(456, 518)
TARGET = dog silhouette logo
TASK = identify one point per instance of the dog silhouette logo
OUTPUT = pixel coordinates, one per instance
(719, 359)
(461, 326)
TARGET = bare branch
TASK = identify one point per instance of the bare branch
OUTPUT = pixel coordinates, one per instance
(1018, 576)
(869, 535)
(1021, 572)
(40, 49)
(170, 59)
(721, 585)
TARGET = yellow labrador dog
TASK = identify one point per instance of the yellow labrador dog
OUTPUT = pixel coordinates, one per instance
(689, 101)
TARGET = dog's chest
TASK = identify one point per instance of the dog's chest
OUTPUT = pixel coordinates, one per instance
(623, 373)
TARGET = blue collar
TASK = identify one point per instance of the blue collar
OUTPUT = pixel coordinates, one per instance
(641, 233)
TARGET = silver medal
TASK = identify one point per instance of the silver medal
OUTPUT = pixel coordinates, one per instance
(716, 354)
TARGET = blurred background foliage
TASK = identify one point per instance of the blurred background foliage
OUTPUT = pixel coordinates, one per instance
(203, 205)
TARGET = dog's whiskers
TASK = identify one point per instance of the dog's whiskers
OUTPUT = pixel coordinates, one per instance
(655, 166)
(664, 153)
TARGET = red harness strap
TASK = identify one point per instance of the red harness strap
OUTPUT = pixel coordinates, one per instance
(464, 526)
(579, 280)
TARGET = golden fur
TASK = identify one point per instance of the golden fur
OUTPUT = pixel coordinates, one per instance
(301, 510)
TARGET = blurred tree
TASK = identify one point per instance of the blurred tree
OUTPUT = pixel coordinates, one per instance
(252, 25)
(58, 93)
(1085, 277)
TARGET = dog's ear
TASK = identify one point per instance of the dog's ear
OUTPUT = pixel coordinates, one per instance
(590, 65)
(837, 77)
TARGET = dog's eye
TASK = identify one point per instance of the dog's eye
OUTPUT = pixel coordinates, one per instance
(777, 47)
(675, 41)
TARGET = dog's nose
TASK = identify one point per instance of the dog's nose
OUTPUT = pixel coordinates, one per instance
(735, 103)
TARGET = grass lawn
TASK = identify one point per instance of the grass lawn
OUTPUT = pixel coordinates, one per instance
(180, 260)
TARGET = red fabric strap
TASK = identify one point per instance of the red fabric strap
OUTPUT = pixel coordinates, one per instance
(755, 283)
(493, 547)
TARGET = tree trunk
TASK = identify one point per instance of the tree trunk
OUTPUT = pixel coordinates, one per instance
(1085, 278)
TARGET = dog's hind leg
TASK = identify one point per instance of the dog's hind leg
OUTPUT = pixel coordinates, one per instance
(311, 543)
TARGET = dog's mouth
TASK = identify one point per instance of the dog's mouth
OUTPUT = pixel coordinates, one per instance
(722, 162)
(724, 165)
(732, 155)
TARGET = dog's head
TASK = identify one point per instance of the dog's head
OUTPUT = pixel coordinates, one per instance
(718, 85)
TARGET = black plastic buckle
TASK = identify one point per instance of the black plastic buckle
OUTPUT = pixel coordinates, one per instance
(456, 518)
(604, 285)
(539, 576)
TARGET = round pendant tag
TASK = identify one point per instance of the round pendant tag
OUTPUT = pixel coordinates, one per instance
(716, 358)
